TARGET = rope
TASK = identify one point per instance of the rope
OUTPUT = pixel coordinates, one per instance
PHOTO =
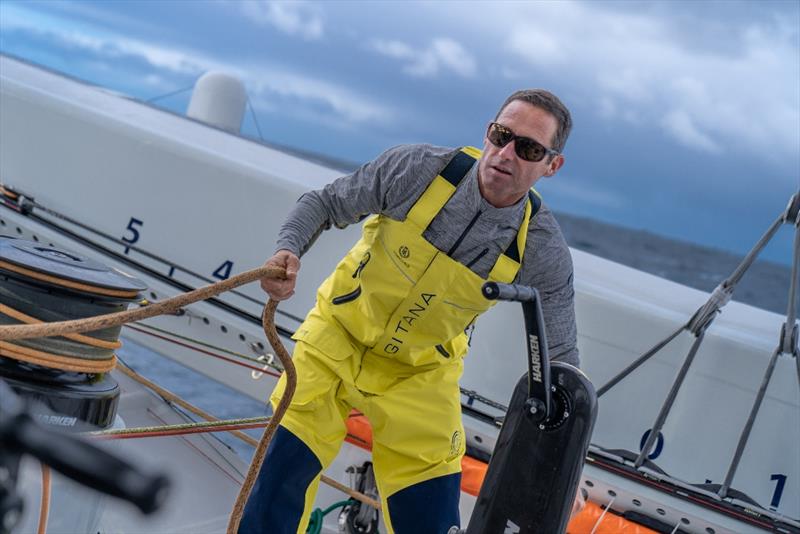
(47, 359)
(87, 340)
(61, 282)
(44, 505)
(291, 381)
(603, 515)
(166, 306)
(180, 429)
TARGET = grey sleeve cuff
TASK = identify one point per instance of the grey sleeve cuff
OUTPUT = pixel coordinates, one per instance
(302, 227)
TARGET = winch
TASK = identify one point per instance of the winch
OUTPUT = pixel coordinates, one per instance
(68, 375)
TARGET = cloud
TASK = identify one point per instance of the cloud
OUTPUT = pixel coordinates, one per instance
(297, 93)
(294, 18)
(682, 127)
(442, 54)
(537, 46)
(657, 64)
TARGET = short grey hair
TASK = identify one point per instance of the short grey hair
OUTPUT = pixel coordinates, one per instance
(550, 103)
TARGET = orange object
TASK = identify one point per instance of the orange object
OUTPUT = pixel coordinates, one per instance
(584, 522)
(473, 472)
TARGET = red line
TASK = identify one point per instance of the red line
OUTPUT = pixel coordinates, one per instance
(254, 368)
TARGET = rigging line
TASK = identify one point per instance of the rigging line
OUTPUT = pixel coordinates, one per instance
(666, 407)
(677, 525)
(789, 345)
(748, 426)
(182, 429)
(603, 515)
(167, 95)
(207, 353)
(255, 119)
(706, 314)
(751, 256)
(639, 361)
(209, 346)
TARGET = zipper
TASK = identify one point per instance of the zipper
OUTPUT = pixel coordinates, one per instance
(479, 256)
(363, 263)
(353, 295)
(442, 351)
(343, 299)
(463, 234)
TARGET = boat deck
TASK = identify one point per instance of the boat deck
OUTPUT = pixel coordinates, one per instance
(205, 473)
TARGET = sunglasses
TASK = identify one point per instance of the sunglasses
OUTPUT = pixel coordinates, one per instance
(525, 147)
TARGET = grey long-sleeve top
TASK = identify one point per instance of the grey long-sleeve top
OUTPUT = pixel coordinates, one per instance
(392, 183)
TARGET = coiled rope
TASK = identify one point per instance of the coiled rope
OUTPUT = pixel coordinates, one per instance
(171, 305)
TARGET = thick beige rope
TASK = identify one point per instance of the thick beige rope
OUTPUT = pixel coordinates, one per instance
(258, 457)
(109, 320)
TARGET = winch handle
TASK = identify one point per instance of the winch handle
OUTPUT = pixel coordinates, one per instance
(539, 386)
(76, 458)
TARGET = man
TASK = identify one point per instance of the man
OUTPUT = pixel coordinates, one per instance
(388, 333)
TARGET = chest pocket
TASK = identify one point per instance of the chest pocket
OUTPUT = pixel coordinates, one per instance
(354, 294)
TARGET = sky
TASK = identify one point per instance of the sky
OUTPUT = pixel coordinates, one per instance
(686, 113)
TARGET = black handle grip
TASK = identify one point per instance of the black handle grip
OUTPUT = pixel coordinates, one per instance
(514, 292)
(88, 464)
(539, 393)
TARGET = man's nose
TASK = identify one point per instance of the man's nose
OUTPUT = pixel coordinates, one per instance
(508, 151)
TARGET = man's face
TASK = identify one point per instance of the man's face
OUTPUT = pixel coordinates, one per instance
(503, 176)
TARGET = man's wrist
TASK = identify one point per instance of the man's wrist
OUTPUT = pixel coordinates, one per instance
(286, 249)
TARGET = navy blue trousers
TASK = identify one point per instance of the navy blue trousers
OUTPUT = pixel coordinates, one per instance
(277, 500)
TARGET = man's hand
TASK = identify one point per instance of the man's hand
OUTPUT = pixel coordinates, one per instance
(282, 289)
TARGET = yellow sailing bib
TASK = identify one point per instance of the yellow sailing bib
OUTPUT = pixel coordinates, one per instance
(405, 302)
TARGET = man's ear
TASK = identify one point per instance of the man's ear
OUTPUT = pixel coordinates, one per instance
(556, 164)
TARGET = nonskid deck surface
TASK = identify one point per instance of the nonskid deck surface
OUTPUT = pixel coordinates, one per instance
(205, 475)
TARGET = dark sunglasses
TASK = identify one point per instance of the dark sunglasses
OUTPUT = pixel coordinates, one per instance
(525, 147)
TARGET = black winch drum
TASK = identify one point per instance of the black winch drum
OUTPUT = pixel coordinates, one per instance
(51, 284)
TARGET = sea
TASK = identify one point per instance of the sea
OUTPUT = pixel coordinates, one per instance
(765, 285)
